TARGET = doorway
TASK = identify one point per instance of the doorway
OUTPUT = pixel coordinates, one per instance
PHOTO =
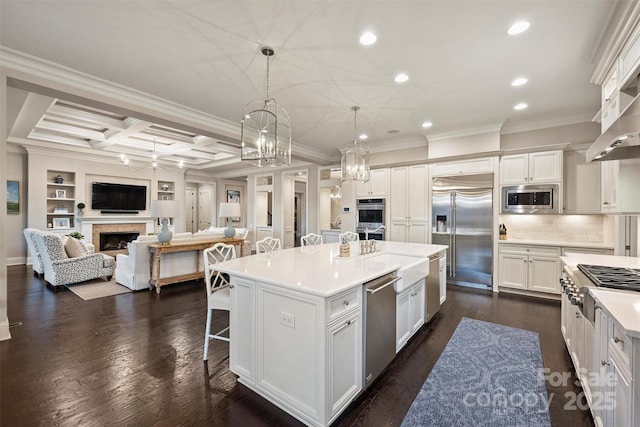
(294, 197)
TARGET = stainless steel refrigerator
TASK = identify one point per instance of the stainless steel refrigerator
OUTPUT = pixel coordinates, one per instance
(463, 220)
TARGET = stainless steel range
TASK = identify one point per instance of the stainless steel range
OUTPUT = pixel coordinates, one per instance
(612, 277)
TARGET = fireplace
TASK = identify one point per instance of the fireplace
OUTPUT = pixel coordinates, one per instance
(115, 235)
(116, 240)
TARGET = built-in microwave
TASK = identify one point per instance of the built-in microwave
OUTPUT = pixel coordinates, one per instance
(530, 199)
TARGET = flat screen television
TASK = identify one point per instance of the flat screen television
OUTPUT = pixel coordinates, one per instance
(118, 198)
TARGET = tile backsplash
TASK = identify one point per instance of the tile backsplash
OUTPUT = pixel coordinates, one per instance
(567, 228)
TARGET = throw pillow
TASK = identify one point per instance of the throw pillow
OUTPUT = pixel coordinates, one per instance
(85, 248)
(74, 248)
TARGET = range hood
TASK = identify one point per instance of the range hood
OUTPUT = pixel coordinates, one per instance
(622, 139)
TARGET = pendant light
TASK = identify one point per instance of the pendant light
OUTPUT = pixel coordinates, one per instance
(265, 130)
(355, 157)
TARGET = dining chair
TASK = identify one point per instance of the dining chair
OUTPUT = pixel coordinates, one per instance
(348, 236)
(311, 239)
(218, 292)
(268, 244)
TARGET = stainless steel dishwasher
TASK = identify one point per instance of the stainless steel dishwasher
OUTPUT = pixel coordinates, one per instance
(432, 289)
(380, 326)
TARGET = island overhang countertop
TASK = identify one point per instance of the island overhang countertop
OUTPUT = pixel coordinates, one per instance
(320, 271)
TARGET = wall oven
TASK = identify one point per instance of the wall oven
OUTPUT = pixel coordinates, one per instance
(530, 199)
(370, 215)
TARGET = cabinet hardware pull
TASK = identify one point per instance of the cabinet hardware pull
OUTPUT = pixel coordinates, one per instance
(346, 303)
(604, 363)
(578, 316)
(348, 322)
(616, 339)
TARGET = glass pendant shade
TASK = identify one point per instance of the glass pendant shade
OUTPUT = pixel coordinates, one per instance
(265, 133)
(355, 159)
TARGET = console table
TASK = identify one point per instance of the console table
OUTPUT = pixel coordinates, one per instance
(156, 251)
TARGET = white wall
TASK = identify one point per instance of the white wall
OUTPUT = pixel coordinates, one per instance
(568, 228)
(16, 170)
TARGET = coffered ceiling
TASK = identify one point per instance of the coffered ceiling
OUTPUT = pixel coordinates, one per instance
(205, 55)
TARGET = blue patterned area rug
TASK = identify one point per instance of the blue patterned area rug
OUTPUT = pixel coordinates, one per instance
(488, 375)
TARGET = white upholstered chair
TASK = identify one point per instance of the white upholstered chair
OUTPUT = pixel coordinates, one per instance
(348, 236)
(218, 292)
(311, 239)
(268, 244)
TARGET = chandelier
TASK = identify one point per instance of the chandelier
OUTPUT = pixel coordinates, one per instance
(265, 130)
(355, 157)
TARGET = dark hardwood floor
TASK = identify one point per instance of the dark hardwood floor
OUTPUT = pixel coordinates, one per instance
(136, 359)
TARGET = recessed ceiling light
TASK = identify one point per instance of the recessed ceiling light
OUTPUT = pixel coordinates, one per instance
(427, 124)
(519, 81)
(520, 106)
(363, 136)
(368, 39)
(401, 78)
(518, 27)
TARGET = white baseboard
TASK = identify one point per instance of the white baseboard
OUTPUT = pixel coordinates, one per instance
(4, 330)
(16, 261)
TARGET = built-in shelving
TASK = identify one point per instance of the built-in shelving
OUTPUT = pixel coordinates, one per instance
(61, 200)
(166, 190)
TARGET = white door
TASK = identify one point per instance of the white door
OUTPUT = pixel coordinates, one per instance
(544, 274)
(514, 169)
(398, 196)
(513, 270)
(417, 193)
(205, 200)
(190, 210)
(545, 166)
(288, 207)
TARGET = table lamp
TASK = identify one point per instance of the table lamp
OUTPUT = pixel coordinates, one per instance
(164, 209)
(229, 210)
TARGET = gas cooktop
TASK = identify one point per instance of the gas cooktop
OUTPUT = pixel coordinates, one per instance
(612, 277)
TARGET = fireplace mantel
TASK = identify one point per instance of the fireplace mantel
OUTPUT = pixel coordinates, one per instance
(87, 222)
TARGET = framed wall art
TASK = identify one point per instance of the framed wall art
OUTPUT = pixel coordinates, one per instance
(13, 197)
(61, 223)
(61, 194)
(233, 196)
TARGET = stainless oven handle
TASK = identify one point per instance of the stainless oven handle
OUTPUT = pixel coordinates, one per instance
(379, 288)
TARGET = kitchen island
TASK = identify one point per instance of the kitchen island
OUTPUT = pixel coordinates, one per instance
(297, 321)
(602, 334)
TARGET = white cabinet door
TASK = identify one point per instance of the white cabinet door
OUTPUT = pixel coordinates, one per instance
(544, 274)
(443, 278)
(514, 169)
(532, 168)
(241, 329)
(398, 198)
(582, 182)
(379, 182)
(609, 192)
(377, 186)
(545, 167)
(403, 325)
(621, 393)
(344, 348)
(417, 233)
(513, 270)
(398, 231)
(416, 310)
(416, 185)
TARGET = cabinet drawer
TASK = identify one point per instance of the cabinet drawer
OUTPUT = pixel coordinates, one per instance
(343, 302)
(620, 341)
(550, 251)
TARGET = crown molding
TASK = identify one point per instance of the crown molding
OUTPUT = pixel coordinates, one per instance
(465, 132)
(399, 144)
(543, 123)
(21, 66)
(613, 38)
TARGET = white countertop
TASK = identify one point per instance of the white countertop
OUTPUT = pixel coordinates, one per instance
(318, 270)
(623, 306)
(606, 260)
(556, 243)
